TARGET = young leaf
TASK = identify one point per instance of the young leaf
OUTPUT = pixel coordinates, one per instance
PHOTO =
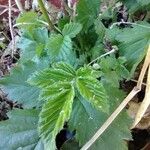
(87, 12)
(88, 71)
(92, 90)
(54, 90)
(16, 86)
(28, 20)
(65, 67)
(60, 49)
(20, 131)
(59, 72)
(55, 112)
(86, 118)
(71, 29)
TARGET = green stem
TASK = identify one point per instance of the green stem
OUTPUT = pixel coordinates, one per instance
(44, 11)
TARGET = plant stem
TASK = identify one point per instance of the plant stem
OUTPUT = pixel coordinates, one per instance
(19, 5)
(110, 52)
(44, 11)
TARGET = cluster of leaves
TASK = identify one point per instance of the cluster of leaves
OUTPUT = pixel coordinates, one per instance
(55, 84)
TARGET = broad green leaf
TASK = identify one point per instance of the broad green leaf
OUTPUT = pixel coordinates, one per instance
(100, 28)
(92, 90)
(55, 44)
(40, 35)
(65, 67)
(55, 112)
(63, 21)
(20, 131)
(98, 49)
(111, 78)
(134, 48)
(39, 49)
(27, 48)
(28, 20)
(54, 90)
(32, 44)
(86, 120)
(16, 84)
(113, 70)
(71, 29)
(60, 49)
(88, 71)
(133, 43)
(59, 72)
(143, 2)
(87, 12)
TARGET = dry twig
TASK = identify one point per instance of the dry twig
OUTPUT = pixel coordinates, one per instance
(11, 28)
(146, 101)
(19, 5)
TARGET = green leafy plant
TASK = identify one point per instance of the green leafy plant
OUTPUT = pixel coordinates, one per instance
(57, 84)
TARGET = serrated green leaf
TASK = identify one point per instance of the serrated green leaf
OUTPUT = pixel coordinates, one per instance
(135, 5)
(71, 29)
(100, 28)
(28, 20)
(134, 48)
(20, 131)
(63, 21)
(87, 12)
(64, 66)
(88, 71)
(39, 49)
(40, 35)
(54, 90)
(98, 49)
(32, 44)
(55, 112)
(60, 49)
(85, 118)
(16, 84)
(59, 73)
(133, 43)
(113, 70)
(92, 90)
(27, 48)
(143, 2)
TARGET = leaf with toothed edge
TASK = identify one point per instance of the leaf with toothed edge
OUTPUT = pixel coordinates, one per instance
(58, 73)
(55, 112)
(85, 117)
(16, 84)
(60, 49)
(92, 90)
(71, 29)
(20, 131)
(133, 43)
(87, 12)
